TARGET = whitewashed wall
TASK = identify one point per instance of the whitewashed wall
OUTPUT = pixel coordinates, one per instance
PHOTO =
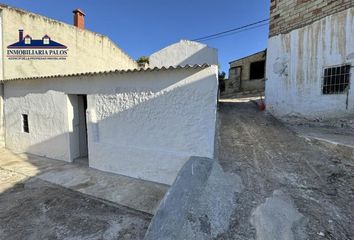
(2, 130)
(143, 125)
(295, 66)
(183, 53)
(48, 120)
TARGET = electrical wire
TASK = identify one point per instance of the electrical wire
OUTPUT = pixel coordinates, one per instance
(233, 31)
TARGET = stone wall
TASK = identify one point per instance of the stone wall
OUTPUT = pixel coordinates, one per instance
(287, 15)
(242, 84)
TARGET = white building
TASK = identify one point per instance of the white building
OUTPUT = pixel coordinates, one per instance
(183, 53)
(310, 59)
(142, 123)
(34, 45)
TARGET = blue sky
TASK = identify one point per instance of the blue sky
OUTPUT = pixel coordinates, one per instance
(141, 27)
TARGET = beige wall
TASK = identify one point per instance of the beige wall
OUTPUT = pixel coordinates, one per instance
(88, 51)
(234, 85)
(245, 63)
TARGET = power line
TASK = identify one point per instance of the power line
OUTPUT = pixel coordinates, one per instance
(242, 30)
(231, 30)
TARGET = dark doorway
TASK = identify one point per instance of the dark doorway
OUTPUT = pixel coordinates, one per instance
(78, 137)
(82, 100)
(257, 70)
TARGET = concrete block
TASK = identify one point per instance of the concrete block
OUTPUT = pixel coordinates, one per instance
(198, 205)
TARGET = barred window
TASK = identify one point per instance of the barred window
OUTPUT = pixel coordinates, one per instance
(336, 80)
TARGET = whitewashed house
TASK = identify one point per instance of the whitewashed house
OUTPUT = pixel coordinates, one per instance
(140, 123)
(33, 45)
(310, 59)
(67, 93)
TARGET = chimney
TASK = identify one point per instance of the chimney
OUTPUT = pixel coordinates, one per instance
(20, 35)
(79, 19)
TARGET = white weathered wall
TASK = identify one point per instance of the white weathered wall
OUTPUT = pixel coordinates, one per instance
(2, 130)
(88, 51)
(144, 125)
(48, 121)
(150, 131)
(295, 65)
(74, 133)
(183, 53)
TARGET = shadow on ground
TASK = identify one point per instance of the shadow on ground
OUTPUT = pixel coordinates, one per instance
(31, 208)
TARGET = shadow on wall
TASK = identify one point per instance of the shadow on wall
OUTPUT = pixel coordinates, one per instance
(151, 136)
(184, 53)
(203, 56)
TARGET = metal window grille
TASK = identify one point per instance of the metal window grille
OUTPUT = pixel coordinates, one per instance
(25, 123)
(336, 80)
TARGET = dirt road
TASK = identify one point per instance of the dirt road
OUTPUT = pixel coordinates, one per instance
(34, 209)
(292, 189)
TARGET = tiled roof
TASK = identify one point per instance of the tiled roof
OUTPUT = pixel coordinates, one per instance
(156, 69)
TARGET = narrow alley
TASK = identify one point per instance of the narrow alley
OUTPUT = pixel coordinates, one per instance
(292, 189)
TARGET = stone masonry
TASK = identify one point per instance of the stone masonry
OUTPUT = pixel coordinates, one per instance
(287, 15)
(240, 84)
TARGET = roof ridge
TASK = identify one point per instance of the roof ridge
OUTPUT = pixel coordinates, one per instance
(120, 71)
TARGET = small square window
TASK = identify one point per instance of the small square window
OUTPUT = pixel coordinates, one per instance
(46, 41)
(25, 123)
(257, 70)
(27, 41)
(336, 80)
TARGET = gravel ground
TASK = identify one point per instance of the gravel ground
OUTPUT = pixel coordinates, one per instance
(34, 209)
(293, 189)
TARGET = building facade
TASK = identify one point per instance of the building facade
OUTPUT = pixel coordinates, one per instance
(34, 45)
(139, 123)
(310, 58)
(68, 94)
(246, 76)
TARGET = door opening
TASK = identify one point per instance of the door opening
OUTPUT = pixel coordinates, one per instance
(78, 138)
(83, 127)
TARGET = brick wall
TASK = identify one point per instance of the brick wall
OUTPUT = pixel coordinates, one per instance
(287, 15)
